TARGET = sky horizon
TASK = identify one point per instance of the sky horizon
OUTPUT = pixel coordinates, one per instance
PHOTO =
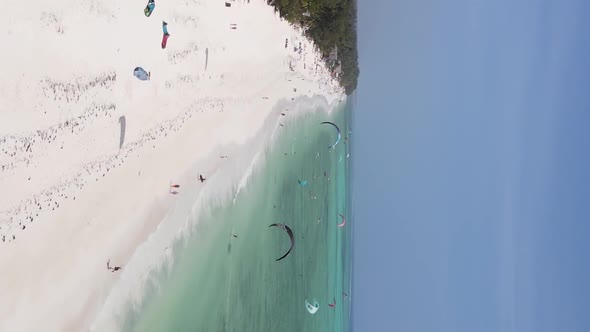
(471, 166)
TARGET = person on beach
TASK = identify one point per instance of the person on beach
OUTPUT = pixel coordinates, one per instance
(113, 268)
(173, 192)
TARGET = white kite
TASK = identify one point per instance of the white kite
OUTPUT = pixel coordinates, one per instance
(312, 309)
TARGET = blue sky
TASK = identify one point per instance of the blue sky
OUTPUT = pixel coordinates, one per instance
(471, 144)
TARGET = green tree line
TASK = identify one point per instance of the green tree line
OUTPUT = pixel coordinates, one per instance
(328, 23)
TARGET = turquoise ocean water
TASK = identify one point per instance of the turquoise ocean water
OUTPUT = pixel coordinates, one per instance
(222, 283)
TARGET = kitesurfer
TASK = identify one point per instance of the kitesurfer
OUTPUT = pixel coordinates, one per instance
(333, 304)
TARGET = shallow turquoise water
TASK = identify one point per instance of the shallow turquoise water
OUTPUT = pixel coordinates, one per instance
(223, 283)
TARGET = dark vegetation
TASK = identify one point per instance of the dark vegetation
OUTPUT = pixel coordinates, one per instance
(330, 24)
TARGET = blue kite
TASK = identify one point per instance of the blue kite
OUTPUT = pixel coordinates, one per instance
(149, 8)
(141, 74)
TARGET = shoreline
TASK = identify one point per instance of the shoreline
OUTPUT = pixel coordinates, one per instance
(123, 250)
(194, 289)
(226, 186)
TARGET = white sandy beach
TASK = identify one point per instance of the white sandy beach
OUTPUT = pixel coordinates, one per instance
(70, 197)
